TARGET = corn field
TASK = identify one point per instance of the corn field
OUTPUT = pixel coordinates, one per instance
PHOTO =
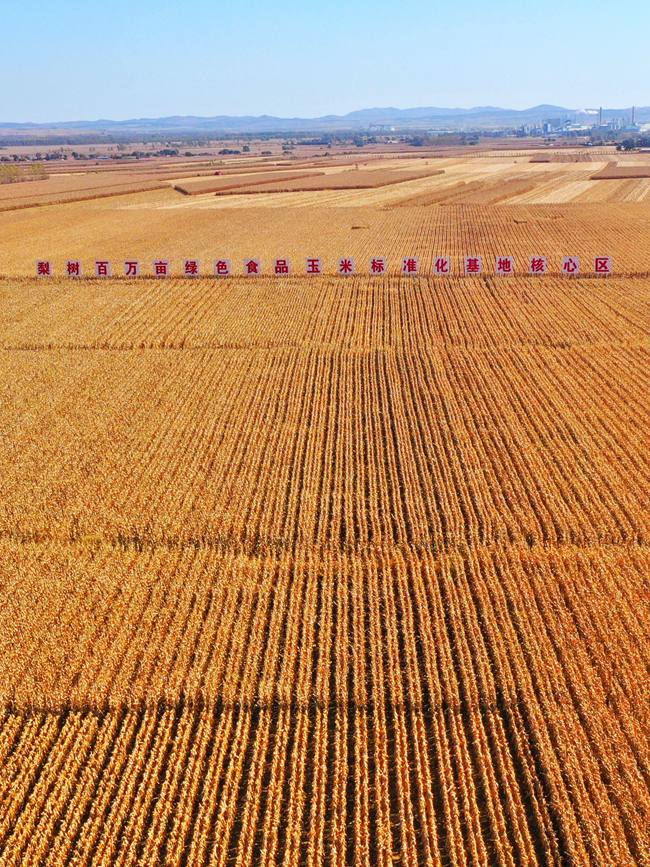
(330, 572)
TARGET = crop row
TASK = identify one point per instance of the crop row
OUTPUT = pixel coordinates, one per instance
(387, 313)
(459, 709)
(285, 449)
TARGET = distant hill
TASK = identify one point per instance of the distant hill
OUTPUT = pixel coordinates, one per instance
(479, 117)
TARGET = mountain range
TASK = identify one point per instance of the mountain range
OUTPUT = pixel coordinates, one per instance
(479, 117)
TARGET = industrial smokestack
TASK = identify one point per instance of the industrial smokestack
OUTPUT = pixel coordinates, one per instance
(600, 116)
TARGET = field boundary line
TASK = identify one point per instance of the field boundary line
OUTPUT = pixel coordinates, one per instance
(340, 350)
(262, 551)
(311, 705)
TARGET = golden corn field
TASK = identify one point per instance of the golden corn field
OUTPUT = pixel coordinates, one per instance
(327, 571)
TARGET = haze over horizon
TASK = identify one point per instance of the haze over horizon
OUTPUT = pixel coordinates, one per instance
(161, 59)
(452, 110)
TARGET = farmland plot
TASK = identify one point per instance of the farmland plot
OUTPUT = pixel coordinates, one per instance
(150, 225)
(327, 571)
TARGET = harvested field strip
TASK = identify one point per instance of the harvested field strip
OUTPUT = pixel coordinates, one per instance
(615, 171)
(58, 198)
(348, 180)
(224, 183)
(337, 195)
(616, 191)
(68, 184)
(579, 157)
(75, 187)
(475, 192)
(561, 191)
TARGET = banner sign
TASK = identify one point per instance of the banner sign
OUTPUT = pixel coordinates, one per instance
(409, 266)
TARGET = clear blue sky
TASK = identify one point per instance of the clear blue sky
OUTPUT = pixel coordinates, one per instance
(118, 59)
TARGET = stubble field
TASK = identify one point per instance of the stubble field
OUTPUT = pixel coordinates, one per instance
(327, 570)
